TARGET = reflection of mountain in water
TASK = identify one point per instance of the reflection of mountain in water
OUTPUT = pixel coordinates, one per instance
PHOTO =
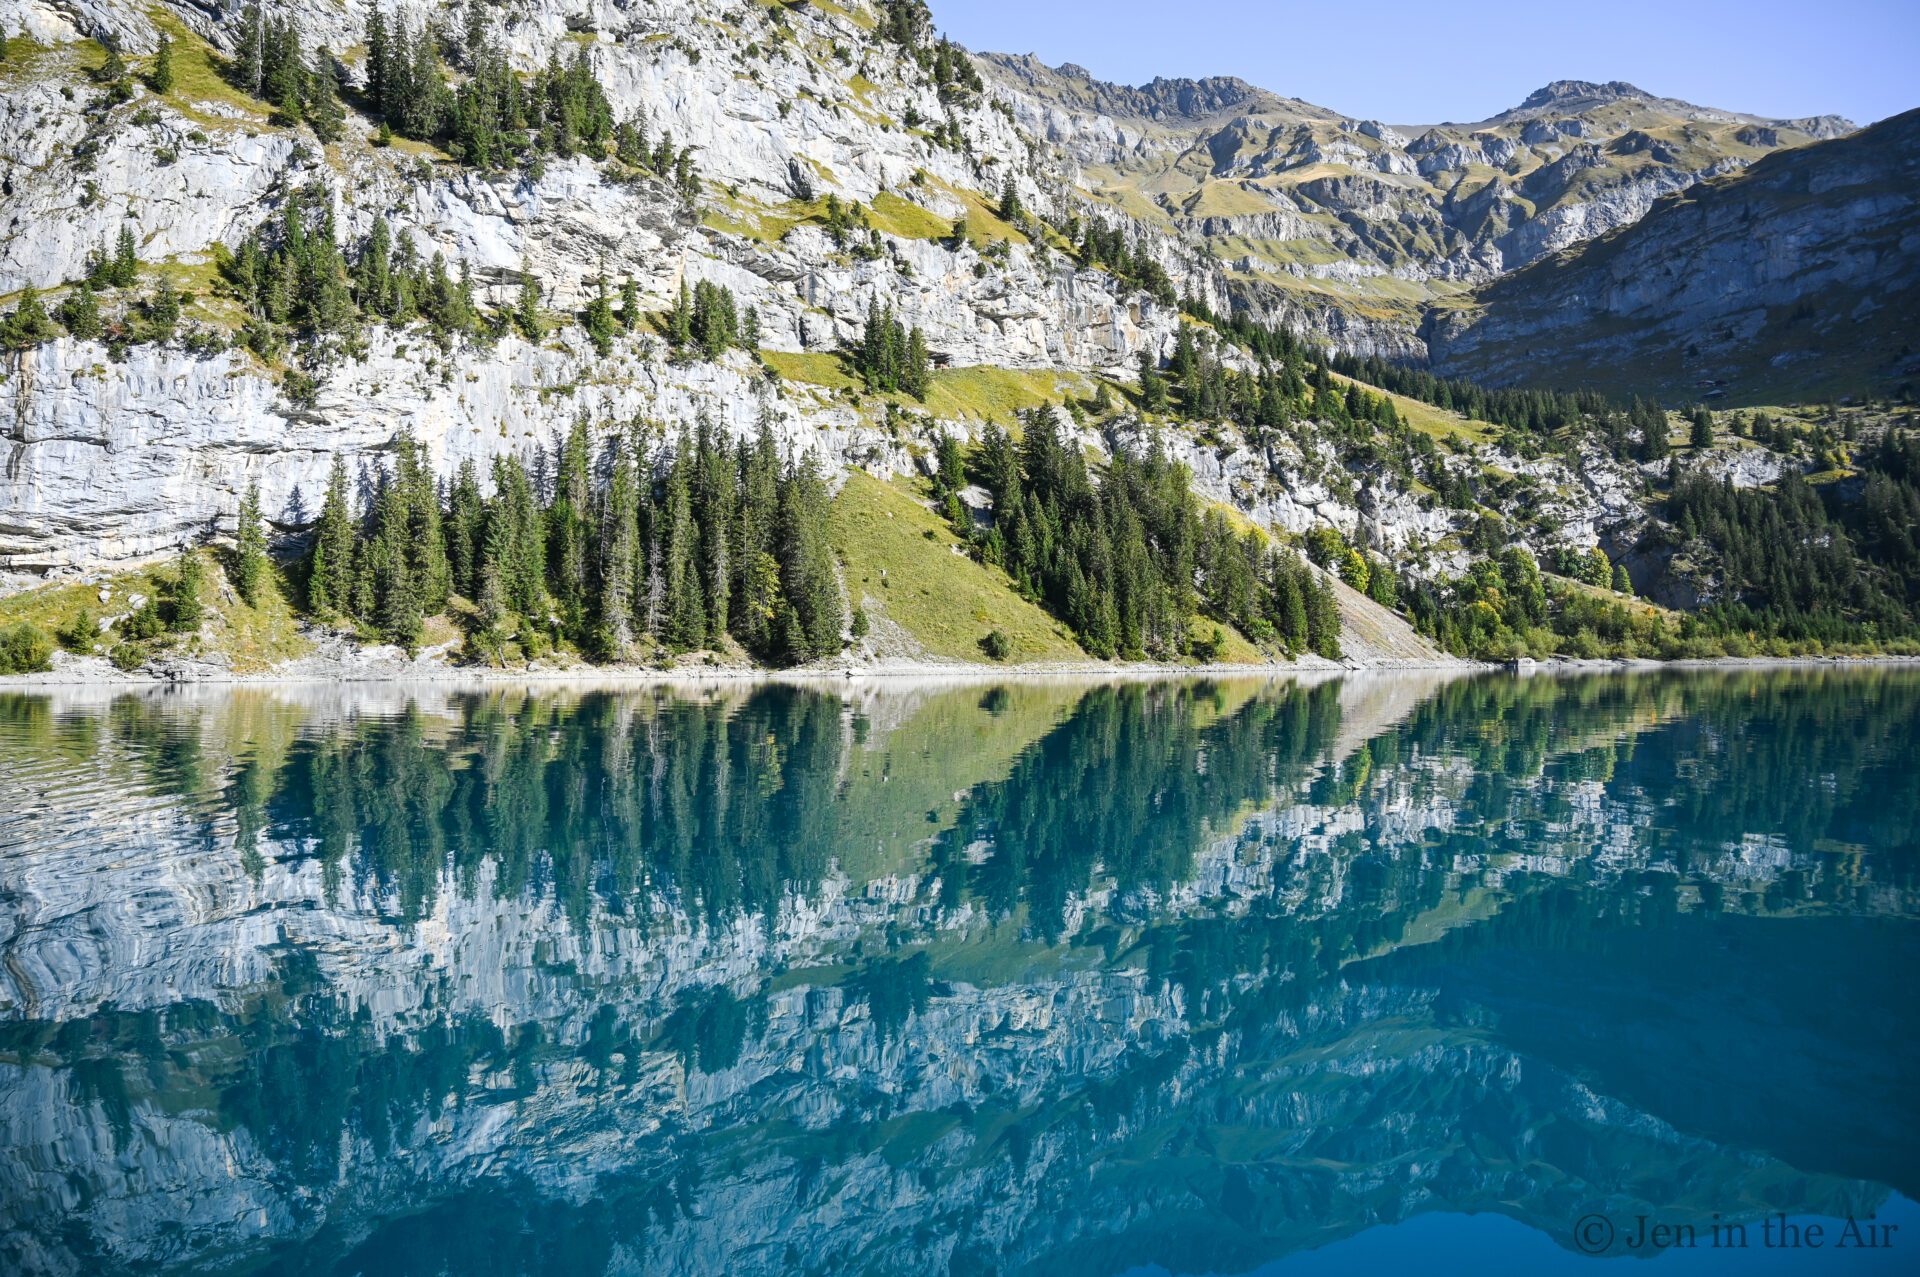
(1036, 979)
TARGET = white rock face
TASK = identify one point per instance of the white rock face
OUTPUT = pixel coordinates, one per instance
(119, 462)
(110, 462)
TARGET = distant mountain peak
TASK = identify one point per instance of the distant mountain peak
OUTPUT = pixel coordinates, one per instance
(1573, 97)
(1159, 100)
(1583, 92)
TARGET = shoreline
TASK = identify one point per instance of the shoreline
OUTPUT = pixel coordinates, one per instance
(97, 673)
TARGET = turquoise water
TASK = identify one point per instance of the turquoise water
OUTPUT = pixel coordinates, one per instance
(1373, 975)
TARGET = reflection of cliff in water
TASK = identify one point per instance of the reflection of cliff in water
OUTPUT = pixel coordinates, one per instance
(1037, 978)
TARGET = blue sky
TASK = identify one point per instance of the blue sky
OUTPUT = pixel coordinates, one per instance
(1409, 63)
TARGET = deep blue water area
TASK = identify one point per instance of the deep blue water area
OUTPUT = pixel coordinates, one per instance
(1586, 975)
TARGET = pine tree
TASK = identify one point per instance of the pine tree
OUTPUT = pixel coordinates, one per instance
(756, 572)
(492, 601)
(1009, 209)
(124, 269)
(619, 551)
(1323, 618)
(526, 316)
(951, 474)
(283, 73)
(28, 325)
(1153, 387)
(397, 608)
(80, 312)
(466, 530)
(629, 303)
(251, 557)
(1290, 604)
(685, 623)
(569, 531)
(715, 322)
(325, 116)
(516, 539)
(378, 52)
(330, 579)
(680, 323)
(249, 51)
(599, 320)
(425, 542)
(372, 283)
(916, 372)
(184, 597)
(114, 69)
(713, 495)
(161, 80)
(1700, 430)
(811, 618)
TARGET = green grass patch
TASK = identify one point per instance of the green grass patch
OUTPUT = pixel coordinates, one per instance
(1227, 199)
(903, 218)
(946, 601)
(253, 638)
(197, 78)
(976, 393)
(983, 223)
(1427, 419)
(813, 368)
(983, 392)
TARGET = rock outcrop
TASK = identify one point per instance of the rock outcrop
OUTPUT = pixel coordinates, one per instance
(1803, 270)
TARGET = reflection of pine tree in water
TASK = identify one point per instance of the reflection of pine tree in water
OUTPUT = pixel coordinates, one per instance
(619, 803)
(1133, 783)
(724, 806)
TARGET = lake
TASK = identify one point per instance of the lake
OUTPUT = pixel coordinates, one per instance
(1385, 973)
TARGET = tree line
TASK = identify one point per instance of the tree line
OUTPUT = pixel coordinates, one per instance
(1097, 244)
(1803, 569)
(892, 358)
(1126, 563)
(684, 546)
(1640, 429)
(268, 63)
(495, 116)
(1807, 564)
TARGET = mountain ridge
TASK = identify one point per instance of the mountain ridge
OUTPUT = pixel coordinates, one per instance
(1809, 258)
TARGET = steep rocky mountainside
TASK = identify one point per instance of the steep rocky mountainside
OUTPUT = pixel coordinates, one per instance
(814, 165)
(1351, 226)
(1801, 271)
(111, 456)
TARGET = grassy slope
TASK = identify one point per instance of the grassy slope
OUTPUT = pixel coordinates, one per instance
(253, 639)
(945, 600)
(974, 393)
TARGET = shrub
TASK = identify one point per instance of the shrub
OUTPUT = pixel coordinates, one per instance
(127, 656)
(1208, 649)
(25, 648)
(80, 633)
(147, 623)
(996, 645)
